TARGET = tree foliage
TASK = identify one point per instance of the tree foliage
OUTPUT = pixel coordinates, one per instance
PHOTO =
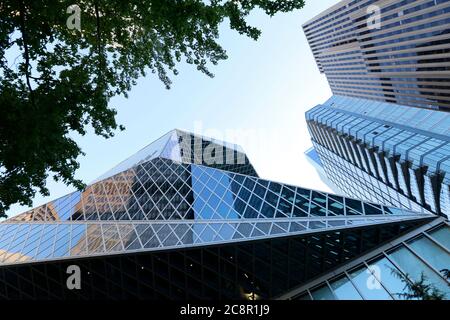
(55, 80)
(420, 289)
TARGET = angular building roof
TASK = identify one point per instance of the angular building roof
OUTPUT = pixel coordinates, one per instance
(164, 199)
(169, 146)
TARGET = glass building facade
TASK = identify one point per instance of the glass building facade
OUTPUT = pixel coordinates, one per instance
(384, 136)
(398, 155)
(314, 159)
(383, 274)
(395, 51)
(188, 217)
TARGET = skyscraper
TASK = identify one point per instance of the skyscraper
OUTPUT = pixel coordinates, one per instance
(313, 157)
(385, 153)
(385, 134)
(392, 51)
(188, 217)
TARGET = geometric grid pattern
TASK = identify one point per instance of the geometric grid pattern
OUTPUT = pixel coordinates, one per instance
(426, 252)
(363, 186)
(385, 149)
(393, 51)
(161, 204)
(41, 242)
(176, 199)
(258, 269)
(164, 190)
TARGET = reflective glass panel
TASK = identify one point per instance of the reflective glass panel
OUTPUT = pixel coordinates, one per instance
(415, 268)
(323, 293)
(431, 252)
(384, 271)
(368, 284)
(442, 235)
(344, 289)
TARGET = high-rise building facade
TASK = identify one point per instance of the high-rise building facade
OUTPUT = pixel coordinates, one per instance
(394, 51)
(385, 153)
(384, 135)
(313, 157)
(188, 217)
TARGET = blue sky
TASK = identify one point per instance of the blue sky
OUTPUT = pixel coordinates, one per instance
(257, 99)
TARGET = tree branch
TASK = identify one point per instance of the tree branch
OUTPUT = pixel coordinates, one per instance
(26, 52)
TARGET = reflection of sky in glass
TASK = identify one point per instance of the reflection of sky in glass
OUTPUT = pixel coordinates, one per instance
(62, 241)
(218, 198)
(412, 266)
(147, 153)
(212, 200)
(46, 244)
(65, 206)
(212, 196)
(78, 234)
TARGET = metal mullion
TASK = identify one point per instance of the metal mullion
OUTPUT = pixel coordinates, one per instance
(168, 235)
(119, 195)
(297, 194)
(175, 233)
(354, 285)
(3, 230)
(205, 186)
(55, 236)
(190, 228)
(109, 201)
(253, 194)
(379, 280)
(137, 235)
(68, 201)
(85, 232)
(91, 236)
(404, 274)
(70, 239)
(119, 230)
(95, 203)
(240, 185)
(310, 295)
(10, 242)
(40, 239)
(220, 229)
(83, 212)
(157, 237)
(104, 227)
(140, 197)
(148, 226)
(208, 226)
(95, 200)
(137, 202)
(224, 195)
(157, 186)
(436, 242)
(26, 239)
(129, 188)
(149, 196)
(293, 201)
(331, 289)
(201, 231)
(176, 190)
(424, 261)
